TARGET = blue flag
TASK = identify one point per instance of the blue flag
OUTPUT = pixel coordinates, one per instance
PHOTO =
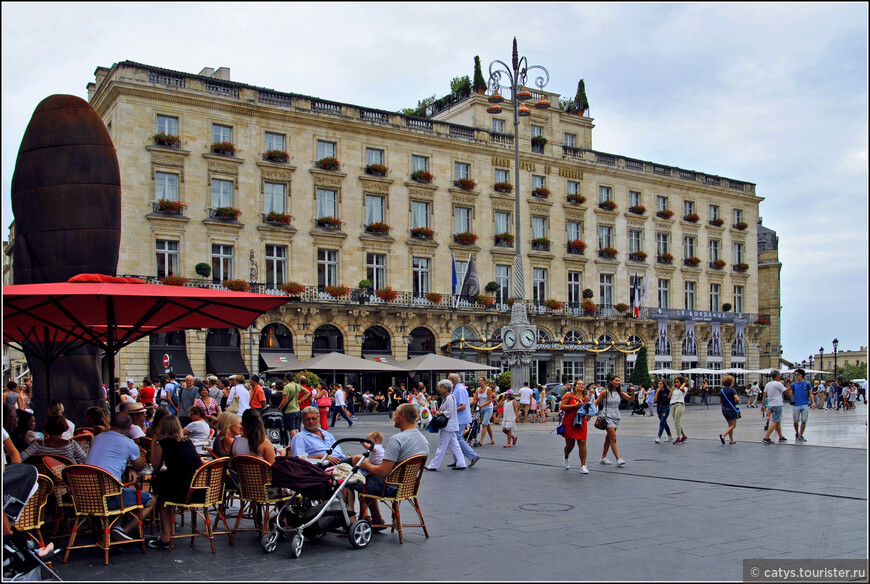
(455, 278)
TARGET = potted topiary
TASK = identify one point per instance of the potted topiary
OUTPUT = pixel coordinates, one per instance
(588, 294)
(202, 269)
(491, 287)
(726, 307)
(479, 83)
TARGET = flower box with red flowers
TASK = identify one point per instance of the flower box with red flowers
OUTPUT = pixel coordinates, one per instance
(510, 302)
(226, 213)
(433, 297)
(665, 258)
(484, 300)
(692, 218)
(465, 184)
(465, 238)
(553, 304)
(386, 294)
(576, 199)
(328, 163)
(621, 307)
(276, 156)
(292, 288)
(741, 267)
(541, 244)
(762, 320)
(237, 285)
(718, 264)
(276, 217)
(607, 205)
(377, 169)
(718, 222)
(692, 261)
(589, 307)
(225, 148)
(577, 246)
(741, 225)
(338, 291)
(637, 209)
(422, 233)
(503, 187)
(169, 140)
(666, 214)
(541, 193)
(378, 228)
(422, 176)
(167, 206)
(173, 280)
(637, 256)
(539, 140)
(329, 222)
(607, 252)
(506, 239)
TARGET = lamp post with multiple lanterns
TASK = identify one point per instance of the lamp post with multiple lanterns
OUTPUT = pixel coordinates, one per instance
(520, 336)
(836, 342)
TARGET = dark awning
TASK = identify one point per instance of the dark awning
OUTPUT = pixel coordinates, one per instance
(224, 362)
(274, 359)
(178, 361)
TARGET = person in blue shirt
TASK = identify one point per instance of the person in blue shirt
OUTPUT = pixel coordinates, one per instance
(314, 442)
(800, 411)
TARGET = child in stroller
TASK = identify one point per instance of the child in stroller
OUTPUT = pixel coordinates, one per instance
(22, 558)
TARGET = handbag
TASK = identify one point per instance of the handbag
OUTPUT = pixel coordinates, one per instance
(601, 423)
(438, 422)
(234, 407)
(560, 429)
(735, 408)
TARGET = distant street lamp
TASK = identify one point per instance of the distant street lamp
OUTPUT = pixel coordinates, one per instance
(821, 358)
(836, 342)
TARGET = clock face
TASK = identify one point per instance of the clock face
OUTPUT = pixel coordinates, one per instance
(510, 338)
(528, 337)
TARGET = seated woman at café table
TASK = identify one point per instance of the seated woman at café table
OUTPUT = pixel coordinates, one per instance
(253, 439)
(54, 443)
(198, 429)
(229, 426)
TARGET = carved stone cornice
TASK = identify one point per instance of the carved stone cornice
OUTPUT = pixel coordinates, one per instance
(375, 184)
(462, 198)
(539, 209)
(329, 179)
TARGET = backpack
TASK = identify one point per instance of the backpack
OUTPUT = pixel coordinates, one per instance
(273, 421)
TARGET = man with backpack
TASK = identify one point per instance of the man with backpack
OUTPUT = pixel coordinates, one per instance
(292, 394)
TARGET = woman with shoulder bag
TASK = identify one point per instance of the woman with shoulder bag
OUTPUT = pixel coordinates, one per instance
(570, 404)
(608, 405)
(662, 400)
(447, 435)
(324, 404)
(729, 399)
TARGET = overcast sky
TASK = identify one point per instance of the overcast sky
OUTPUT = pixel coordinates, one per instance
(773, 94)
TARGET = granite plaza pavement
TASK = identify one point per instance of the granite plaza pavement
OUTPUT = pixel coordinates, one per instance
(691, 512)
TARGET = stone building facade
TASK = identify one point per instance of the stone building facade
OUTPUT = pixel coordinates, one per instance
(398, 200)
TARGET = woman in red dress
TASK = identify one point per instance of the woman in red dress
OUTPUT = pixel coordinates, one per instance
(571, 402)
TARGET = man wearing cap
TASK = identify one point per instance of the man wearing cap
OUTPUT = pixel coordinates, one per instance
(131, 387)
(137, 414)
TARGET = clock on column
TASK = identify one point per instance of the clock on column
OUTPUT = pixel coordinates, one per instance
(510, 338)
(528, 337)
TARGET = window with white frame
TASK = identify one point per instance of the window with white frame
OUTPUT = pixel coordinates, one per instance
(664, 293)
(539, 285)
(538, 182)
(714, 297)
(539, 227)
(420, 274)
(575, 288)
(325, 149)
(167, 257)
(419, 163)
(221, 262)
(374, 156)
(498, 126)
(714, 212)
(738, 253)
(738, 298)
(327, 203)
(663, 243)
(502, 176)
(276, 141)
(419, 214)
(603, 368)
(327, 267)
(276, 265)
(375, 209)
(605, 236)
(502, 222)
(221, 193)
(575, 230)
(166, 186)
(573, 369)
(570, 140)
(376, 269)
(688, 207)
(690, 295)
(462, 219)
(461, 170)
(221, 133)
(605, 194)
(167, 125)
(573, 187)
(503, 279)
(461, 269)
(714, 249)
(661, 203)
(633, 198)
(275, 197)
(605, 289)
(537, 131)
(738, 216)
(635, 240)
(688, 246)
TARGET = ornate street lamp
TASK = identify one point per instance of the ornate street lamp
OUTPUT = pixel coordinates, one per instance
(821, 358)
(836, 342)
(520, 336)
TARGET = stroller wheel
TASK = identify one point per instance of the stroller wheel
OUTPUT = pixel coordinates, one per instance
(296, 546)
(360, 533)
(269, 542)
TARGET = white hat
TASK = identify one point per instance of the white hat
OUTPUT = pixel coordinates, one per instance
(131, 381)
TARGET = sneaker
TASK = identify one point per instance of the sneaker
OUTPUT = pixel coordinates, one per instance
(121, 534)
(658, 440)
(459, 467)
(767, 440)
(678, 440)
(158, 544)
(783, 439)
(801, 438)
(584, 470)
(683, 439)
(605, 461)
(721, 439)
(567, 464)
(620, 462)
(473, 461)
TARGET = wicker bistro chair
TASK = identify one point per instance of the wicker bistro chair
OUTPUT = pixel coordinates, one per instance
(51, 466)
(33, 515)
(91, 489)
(206, 491)
(405, 478)
(256, 493)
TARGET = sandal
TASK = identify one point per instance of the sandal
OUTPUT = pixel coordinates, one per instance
(506, 446)
(515, 441)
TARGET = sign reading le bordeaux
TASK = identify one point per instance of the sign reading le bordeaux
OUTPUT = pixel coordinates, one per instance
(697, 315)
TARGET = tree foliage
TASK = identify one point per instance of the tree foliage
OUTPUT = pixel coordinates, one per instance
(640, 374)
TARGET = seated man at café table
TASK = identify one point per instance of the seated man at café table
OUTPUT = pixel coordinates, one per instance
(137, 413)
(313, 441)
(112, 451)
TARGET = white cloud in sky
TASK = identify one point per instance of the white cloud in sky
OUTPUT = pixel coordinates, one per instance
(769, 93)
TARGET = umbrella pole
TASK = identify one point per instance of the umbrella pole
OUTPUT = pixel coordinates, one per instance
(110, 354)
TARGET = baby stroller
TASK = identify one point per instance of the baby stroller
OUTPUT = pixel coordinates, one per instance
(318, 506)
(639, 409)
(472, 432)
(21, 559)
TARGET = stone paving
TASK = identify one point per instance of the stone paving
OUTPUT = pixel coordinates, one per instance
(691, 512)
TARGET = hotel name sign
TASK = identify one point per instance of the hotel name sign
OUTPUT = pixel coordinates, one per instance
(546, 169)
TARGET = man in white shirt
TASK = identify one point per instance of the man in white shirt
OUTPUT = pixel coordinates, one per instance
(774, 391)
(239, 390)
(131, 387)
(338, 407)
(525, 401)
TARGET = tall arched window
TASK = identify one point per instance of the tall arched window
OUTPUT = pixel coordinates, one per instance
(574, 336)
(463, 332)
(328, 339)
(276, 336)
(376, 340)
(422, 341)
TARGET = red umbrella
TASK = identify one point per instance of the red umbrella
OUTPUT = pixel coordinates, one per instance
(47, 320)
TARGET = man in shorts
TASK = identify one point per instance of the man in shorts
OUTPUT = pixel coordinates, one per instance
(774, 391)
(802, 396)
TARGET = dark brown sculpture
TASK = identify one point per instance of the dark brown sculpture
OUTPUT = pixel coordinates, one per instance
(66, 198)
